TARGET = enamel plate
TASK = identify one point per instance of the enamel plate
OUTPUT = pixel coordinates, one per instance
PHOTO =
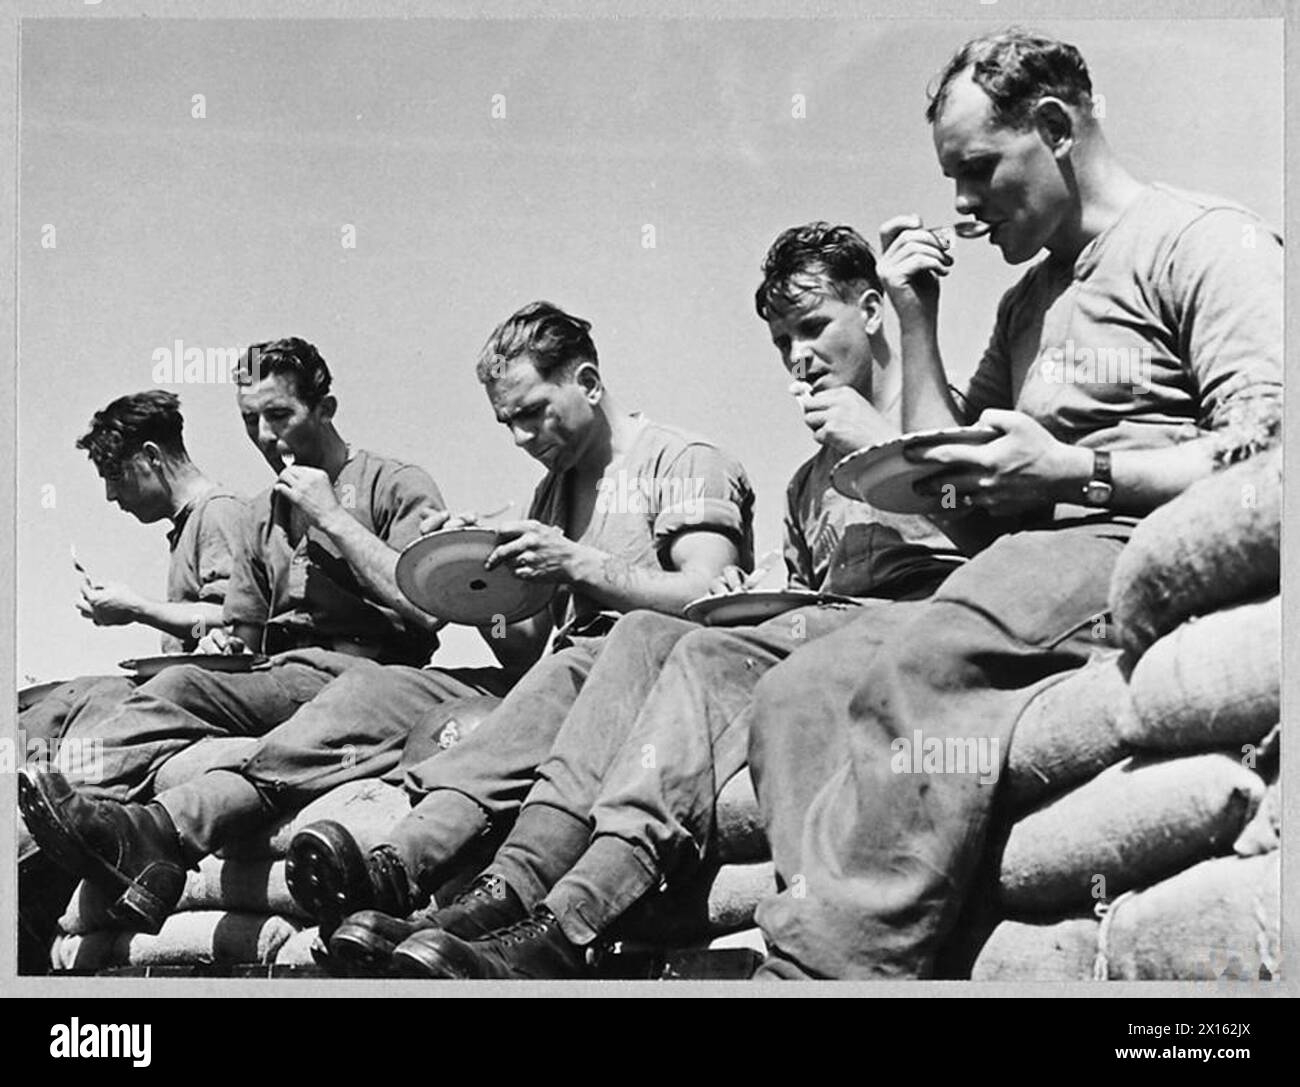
(747, 609)
(443, 574)
(144, 667)
(882, 477)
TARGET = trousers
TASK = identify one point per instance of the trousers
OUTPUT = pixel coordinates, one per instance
(876, 849)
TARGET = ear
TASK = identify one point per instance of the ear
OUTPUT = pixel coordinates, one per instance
(588, 378)
(328, 406)
(154, 455)
(872, 307)
(1055, 125)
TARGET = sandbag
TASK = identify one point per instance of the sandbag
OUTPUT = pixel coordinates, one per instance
(738, 836)
(1213, 682)
(1263, 833)
(1218, 543)
(210, 753)
(1069, 733)
(369, 808)
(185, 938)
(1039, 951)
(1135, 823)
(296, 950)
(720, 900)
(1218, 920)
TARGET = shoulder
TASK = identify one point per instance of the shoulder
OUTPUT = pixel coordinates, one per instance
(381, 473)
(664, 446)
(802, 478)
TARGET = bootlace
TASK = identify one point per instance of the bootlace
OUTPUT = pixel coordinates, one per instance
(530, 928)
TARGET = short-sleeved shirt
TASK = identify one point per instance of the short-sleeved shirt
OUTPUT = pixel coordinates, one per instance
(305, 593)
(1166, 326)
(667, 482)
(203, 540)
(835, 544)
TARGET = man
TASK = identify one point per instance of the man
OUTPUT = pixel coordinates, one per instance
(137, 446)
(313, 584)
(541, 372)
(631, 515)
(1181, 295)
(604, 824)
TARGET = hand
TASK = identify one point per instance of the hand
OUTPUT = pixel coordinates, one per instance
(538, 552)
(437, 520)
(731, 580)
(110, 605)
(220, 640)
(842, 418)
(1024, 469)
(912, 259)
(311, 492)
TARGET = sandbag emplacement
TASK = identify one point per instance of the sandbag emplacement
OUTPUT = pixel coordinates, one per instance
(1069, 733)
(1213, 682)
(185, 939)
(210, 753)
(1039, 951)
(1140, 821)
(1219, 920)
(1216, 544)
(369, 808)
(718, 901)
(738, 836)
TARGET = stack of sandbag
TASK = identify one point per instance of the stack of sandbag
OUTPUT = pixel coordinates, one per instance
(236, 908)
(1143, 787)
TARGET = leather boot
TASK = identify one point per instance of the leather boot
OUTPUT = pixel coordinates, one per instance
(331, 878)
(532, 948)
(130, 850)
(363, 945)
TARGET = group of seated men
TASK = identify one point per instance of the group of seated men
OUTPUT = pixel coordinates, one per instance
(593, 782)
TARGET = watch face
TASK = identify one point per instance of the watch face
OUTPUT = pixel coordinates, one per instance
(1097, 493)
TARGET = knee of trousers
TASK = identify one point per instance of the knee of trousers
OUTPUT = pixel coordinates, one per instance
(173, 684)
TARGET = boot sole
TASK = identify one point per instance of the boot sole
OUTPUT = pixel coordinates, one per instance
(134, 907)
(361, 952)
(320, 868)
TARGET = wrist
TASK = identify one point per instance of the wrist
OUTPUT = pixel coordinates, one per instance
(336, 524)
(1073, 472)
(584, 566)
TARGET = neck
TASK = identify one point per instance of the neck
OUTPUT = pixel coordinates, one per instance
(186, 483)
(1104, 190)
(335, 453)
(615, 430)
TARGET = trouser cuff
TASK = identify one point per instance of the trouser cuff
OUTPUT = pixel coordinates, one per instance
(612, 875)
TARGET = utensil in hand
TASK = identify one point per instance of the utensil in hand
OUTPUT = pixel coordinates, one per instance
(761, 570)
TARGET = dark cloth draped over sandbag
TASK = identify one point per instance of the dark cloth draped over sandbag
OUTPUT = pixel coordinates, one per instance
(1137, 822)
(1213, 682)
(1068, 733)
(1216, 544)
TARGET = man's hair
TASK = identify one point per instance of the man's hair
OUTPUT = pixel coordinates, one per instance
(1015, 69)
(119, 431)
(294, 357)
(838, 256)
(555, 341)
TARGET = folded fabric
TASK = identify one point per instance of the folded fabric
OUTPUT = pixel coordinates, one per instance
(1069, 733)
(1213, 682)
(212, 753)
(186, 938)
(1218, 543)
(1135, 823)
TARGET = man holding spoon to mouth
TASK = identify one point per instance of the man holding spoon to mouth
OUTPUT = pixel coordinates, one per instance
(1141, 351)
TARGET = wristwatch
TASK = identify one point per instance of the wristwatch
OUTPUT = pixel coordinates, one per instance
(1097, 491)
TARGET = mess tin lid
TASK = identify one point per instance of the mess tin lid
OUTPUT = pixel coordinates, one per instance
(883, 477)
(443, 574)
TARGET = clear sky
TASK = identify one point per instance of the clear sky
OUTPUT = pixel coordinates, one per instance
(228, 228)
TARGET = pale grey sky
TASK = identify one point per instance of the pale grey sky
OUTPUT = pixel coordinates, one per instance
(226, 229)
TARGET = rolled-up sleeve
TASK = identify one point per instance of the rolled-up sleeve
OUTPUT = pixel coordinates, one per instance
(704, 489)
(220, 538)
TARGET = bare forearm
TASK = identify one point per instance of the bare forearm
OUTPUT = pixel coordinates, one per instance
(186, 619)
(375, 565)
(1142, 479)
(623, 586)
(927, 400)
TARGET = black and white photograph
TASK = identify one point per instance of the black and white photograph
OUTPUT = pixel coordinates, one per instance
(560, 500)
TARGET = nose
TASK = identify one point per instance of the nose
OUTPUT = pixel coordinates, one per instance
(522, 436)
(266, 436)
(966, 203)
(110, 490)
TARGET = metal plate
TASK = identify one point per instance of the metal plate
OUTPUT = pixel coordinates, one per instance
(145, 667)
(882, 477)
(443, 574)
(749, 609)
